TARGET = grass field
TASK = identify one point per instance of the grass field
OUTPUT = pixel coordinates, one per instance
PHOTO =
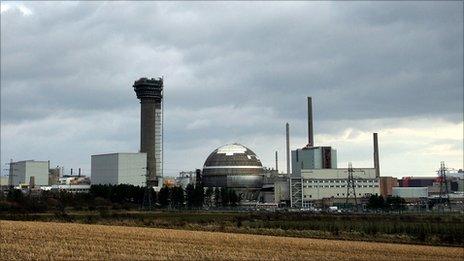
(24, 240)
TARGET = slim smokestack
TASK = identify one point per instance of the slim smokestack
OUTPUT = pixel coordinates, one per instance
(277, 161)
(287, 131)
(376, 156)
(310, 123)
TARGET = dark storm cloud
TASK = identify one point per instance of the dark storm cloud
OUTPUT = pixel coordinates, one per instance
(232, 69)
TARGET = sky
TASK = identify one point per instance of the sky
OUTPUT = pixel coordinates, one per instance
(235, 72)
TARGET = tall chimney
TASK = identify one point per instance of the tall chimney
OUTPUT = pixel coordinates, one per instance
(310, 123)
(376, 156)
(277, 161)
(287, 131)
(150, 94)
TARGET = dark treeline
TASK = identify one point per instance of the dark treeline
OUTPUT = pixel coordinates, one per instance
(101, 197)
(390, 203)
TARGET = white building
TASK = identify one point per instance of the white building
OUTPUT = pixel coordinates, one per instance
(21, 172)
(119, 168)
(320, 184)
(410, 192)
(324, 157)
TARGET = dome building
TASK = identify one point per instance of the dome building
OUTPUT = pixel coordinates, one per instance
(233, 166)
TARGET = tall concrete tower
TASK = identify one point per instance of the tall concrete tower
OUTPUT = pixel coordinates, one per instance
(150, 94)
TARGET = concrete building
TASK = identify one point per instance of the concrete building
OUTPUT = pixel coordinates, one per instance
(150, 94)
(320, 184)
(313, 158)
(21, 172)
(411, 192)
(386, 185)
(119, 168)
(54, 176)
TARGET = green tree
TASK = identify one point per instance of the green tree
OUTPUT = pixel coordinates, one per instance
(190, 195)
(209, 196)
(225, 199)
(376, 202)
(217, 197)
(177, 197)
(233, 198)
(164, 196)
(199, 196)
(396, 203)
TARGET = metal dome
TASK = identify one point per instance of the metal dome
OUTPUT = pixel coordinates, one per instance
(233, 166)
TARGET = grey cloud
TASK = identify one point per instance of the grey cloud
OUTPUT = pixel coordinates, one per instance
(253, 63)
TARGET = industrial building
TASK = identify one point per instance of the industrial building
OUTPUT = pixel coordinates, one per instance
(119, 168)
(316, 179)
(234, 166)
(21, 172)
(150, 94)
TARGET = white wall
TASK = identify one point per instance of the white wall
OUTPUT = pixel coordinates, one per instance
(23, 170)
(132, 168)
(104, 169)
(327, 183)
(119, 168)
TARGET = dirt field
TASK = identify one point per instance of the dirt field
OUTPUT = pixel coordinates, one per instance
(21, 240)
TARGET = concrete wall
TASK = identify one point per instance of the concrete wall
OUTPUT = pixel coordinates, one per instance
(327, 183)
(132, 168)
(119, 168)
(104, 169)
(21, 172)
(410, 192)
(310, 159)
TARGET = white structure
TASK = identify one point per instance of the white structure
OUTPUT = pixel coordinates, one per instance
(410, 192)
(319, 184)
(119, 168)
(21, 172)
(313, 158)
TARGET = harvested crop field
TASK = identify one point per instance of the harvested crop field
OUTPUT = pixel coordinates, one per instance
(20, 240)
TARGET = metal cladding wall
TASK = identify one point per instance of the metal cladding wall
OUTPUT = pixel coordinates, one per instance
(313, 158)
(233, 166)
(119, 168)
(22, 171)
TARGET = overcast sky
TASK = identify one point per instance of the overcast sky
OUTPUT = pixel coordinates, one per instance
(235, 72)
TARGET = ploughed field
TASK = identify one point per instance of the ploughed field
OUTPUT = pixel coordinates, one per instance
(25, 240)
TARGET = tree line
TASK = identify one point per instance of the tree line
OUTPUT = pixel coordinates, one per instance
(120, 197)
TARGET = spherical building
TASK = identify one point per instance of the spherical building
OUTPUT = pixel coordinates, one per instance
(233, 166)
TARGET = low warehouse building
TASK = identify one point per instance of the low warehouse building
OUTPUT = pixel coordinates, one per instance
(316, 185)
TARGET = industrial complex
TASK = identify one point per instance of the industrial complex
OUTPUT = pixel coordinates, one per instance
(312, 178)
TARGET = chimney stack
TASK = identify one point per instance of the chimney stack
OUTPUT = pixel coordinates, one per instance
(277, 161)
(310, 123)
(376, 156)
(287, 131)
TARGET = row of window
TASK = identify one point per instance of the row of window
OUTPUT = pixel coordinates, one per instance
(338, 181)
(339, 186)
(338, 194)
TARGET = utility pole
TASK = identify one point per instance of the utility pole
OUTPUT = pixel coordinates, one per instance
(444, 192)
(351, 186)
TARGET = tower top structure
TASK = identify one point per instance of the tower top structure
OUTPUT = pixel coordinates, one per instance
(149, 88)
